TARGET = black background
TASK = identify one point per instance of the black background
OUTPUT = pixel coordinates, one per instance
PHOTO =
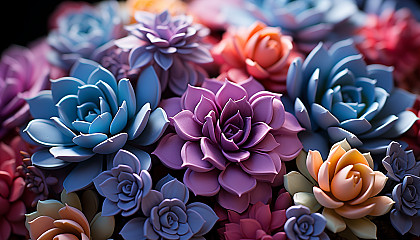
(22, 22)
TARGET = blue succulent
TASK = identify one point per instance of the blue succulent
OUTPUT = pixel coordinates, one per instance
(335, 95)
(79, 33)
(168, 216)
(89, 114)
(307, 21)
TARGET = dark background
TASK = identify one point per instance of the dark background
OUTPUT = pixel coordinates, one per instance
(22, 22)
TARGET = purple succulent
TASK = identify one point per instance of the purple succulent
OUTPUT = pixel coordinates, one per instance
(406, 215)
(232, 140)
(124, 186)
(167, 42)
(40, 182)
(168, 216)
(115, 59)
(302, 224)
(23, 73)
(398, 162)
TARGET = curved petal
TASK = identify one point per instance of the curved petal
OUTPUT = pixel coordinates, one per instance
(83, 174)
(233, 202)
(37, 128)
(45, 159)
(112, 144)
(137, 125)
(175, 189)
(326, 200)
(42, 105)
(192, 158)
(202, 183)
(148, 89)
(119, 122)
(65, 86)
(89, 140)
(229, 90)
(234, 180)
(169, 151)
(72, 154)
(259, 164)
(154, 129)
(192, 97)
(207, 214)
(133, 228)
(185, 126)
(102, 74)
(101, 124)
(126, 93)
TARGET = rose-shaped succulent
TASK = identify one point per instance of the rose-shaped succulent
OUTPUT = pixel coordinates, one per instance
(124, 186)
(56, 220)
(302, 224)
(91, 113)
(336, 96)
(79, 32)
(168, 43)
(405, 217)
(398, 162)
(345, 185)
(388, 39)
(259, 222)
(307, 21)
(260, 51)
(168, 216)
(23, 73)
(232, 139)
(12, 186)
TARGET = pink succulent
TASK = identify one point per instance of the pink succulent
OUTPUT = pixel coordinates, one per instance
(12, 186)
(260, 51)
(259, 222)
(392, 39)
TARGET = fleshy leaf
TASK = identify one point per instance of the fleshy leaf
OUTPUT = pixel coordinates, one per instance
(207, 213)
(38, 128)
(42, 105)
(295, 182)
(335, 222)
(148, 88)
(44, 159)
(71, 154)
(133, 229)
(102, 227)
(306, 199)
(362, 227)
(155, 127)
(83, 174)
(175, 189)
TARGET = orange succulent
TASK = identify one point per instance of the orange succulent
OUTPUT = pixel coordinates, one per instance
(156, 6)
(347, 184)
(263, 52)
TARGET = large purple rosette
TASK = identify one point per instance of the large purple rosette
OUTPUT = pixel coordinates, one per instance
(231, 139)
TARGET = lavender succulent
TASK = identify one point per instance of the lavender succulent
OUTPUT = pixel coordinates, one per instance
(398, 162)
(123, 186)
(302, 224)
(166, 42)
(406, 215)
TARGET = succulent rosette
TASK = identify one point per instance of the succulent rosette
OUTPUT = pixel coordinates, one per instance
(302, 224)
(399, 162)
(388, 39)
(12, 186)
(336, 96)
(88, 115)
(172, 45)
(345, 185)
(231, 139)
(406, 215)
(79, 32)
(168, 216)
(124, 185)
(260, 221)
(23, 73)
(72, 218)
(260, 51)
(115, 59)
(307, 21)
